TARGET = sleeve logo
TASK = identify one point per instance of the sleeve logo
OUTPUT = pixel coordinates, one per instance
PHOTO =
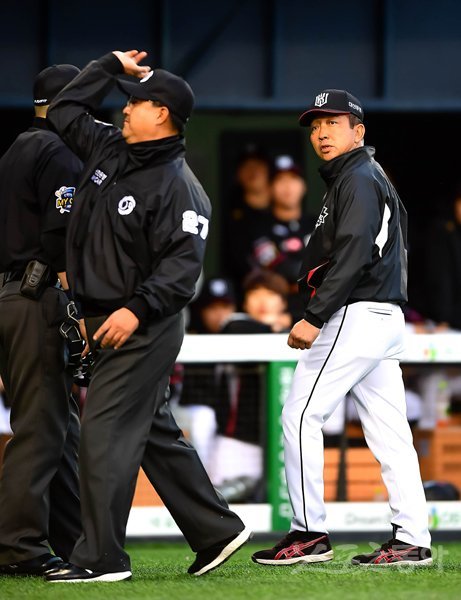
(194, 223)
(64, 198)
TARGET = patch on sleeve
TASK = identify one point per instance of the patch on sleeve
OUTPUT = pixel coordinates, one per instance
(64, 198)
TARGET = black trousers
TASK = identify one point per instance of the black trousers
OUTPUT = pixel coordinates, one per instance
(39, 497)
(127, 423)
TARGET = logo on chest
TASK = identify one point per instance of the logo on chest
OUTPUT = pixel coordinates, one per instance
(323, 215)
(98, 177)
(126, 205)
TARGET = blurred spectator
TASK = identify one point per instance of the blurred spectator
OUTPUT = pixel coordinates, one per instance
(444, 270)
(264, 305)
(216, 301)
(253, 191)
(281, 235)
(249, 200)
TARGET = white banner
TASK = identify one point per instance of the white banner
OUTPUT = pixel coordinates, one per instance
(151, 521)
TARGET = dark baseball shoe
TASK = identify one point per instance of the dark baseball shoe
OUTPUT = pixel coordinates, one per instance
(42, 565)
(209, 559)
(70, 573)
(297, 547)
(395, 553)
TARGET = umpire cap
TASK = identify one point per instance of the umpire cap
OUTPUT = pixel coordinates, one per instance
(164, 87)
(51, 81)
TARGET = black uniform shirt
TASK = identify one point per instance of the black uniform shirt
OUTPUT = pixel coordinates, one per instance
(38, 177)
(137, 237)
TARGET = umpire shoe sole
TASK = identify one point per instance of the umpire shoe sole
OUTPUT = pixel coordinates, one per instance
(70, 573)
(209, 559)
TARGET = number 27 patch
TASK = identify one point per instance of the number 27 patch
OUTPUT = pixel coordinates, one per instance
(194, 223)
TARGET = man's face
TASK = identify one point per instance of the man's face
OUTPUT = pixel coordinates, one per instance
(288, 189)
(141, 121)
(214, 315)
(264, 305)
(253, 174)
(333, 135)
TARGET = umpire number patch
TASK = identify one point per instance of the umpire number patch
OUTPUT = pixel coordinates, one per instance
(194, 223)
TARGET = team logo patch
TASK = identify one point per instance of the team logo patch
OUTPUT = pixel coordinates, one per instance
(321, 99)
(126, 205)
(98, 177)
(64, 198)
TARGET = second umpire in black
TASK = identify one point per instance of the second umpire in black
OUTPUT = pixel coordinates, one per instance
(135, 249)
(39, 499)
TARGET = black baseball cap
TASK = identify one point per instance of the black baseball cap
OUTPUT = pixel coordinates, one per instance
(165, 87)
(51, 81)
(217, 289)
(335, 102)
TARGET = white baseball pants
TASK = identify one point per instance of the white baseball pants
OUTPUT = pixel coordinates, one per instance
(356, 351)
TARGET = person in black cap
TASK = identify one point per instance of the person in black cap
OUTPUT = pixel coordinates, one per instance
(248, 202)
(279, 237)
(136, 243)
(39, 498)
(353, 281)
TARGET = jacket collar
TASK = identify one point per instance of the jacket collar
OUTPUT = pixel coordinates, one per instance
(330, 170)
(41, 123)
(156, 152)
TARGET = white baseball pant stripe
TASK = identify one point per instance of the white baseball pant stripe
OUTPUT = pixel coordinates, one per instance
(358, 350)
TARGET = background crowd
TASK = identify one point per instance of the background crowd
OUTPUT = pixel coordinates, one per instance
(266, 223)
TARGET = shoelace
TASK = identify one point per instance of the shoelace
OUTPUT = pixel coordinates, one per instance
(291, 537)
(394, 542)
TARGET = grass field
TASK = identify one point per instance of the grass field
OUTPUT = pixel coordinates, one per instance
(160, 573)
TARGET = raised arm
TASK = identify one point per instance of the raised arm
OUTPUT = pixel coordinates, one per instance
(70, 113)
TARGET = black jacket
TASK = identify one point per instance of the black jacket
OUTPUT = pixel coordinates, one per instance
(38, 176)
(358, 249)
(138, 230)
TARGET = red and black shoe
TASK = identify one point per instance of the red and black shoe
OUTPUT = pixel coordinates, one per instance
(395, 553)
(297, 547)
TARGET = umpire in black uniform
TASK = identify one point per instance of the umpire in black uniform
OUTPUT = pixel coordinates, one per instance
(135, 248)
(39, 499)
